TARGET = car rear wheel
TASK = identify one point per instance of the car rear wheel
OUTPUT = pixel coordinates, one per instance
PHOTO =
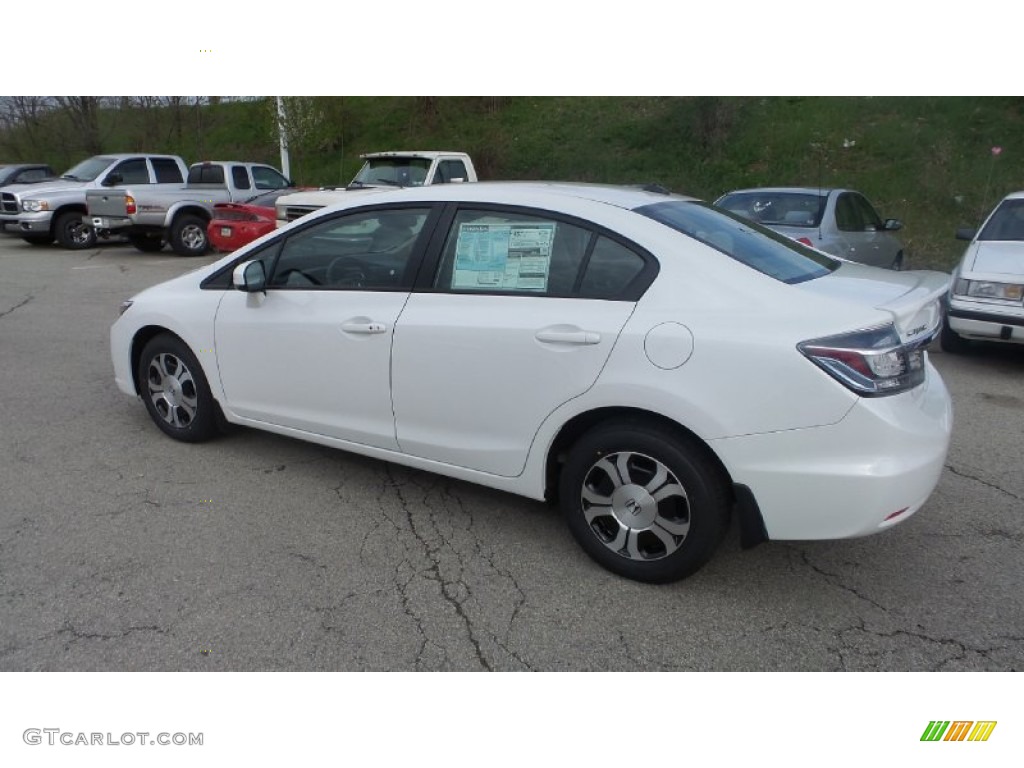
(951, 341)
(644, 502)
(188, 235)
(175, 390)
(72, 233)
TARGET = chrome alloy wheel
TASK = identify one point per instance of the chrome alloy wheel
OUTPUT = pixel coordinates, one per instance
(635, 506)
(172, 390)
(193, 237)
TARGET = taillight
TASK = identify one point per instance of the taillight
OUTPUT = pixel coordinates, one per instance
(805, 241)
(129, 204)
(871, 362)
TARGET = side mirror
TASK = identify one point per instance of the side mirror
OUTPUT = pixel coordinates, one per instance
(891, 225)
(966, 233)
(250, 277)
(113, 179)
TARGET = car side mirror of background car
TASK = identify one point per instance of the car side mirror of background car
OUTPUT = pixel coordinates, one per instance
(966, 233)
(891, 225)
(250, 277)
(112, 179)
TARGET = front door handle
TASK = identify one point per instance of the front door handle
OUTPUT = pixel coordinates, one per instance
(579, 336)
(363, 326)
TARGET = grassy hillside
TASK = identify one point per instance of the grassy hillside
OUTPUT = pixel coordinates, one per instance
(927, 161)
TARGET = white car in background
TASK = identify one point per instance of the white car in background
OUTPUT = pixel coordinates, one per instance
(653, 363)
(986, 298)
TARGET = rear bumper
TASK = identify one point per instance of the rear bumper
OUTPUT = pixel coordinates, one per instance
(848, 479)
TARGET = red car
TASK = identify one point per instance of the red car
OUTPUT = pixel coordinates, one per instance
(236, 224)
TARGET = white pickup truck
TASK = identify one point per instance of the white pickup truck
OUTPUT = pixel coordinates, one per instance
(180, 215)
(383, 169)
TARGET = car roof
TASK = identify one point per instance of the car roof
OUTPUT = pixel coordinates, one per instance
(526, 193)
(790, 190)
(424, 153)
(1015, 195)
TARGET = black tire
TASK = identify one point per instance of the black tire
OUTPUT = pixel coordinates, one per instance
(146, 243)
(692, 522)
(37, 239)
(72, 233)
(951, 341)
(175, 390)
(188, 235)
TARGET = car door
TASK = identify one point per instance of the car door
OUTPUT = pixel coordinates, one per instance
(313, 352)
(518, 315)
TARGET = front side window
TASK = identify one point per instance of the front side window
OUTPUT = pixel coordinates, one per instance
(133, 171)
(869, 217)
(267, 178)
(370, 250)
(848, 215)
(504, 252)
(757, 247)
(1006, 223)
(450, 170)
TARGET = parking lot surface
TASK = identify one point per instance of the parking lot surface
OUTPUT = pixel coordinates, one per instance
(121, 549)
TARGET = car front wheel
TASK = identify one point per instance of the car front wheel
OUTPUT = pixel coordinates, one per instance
(643, 502)
(188, 235)
(951, 341)
(174, 389)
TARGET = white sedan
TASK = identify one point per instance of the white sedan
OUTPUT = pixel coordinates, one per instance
(986, 297)
(655, 364)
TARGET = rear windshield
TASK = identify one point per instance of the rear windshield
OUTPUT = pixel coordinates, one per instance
(759, 248)
(786, 209)
(1006, 223)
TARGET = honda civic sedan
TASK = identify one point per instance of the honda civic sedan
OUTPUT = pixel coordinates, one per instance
(655, 365)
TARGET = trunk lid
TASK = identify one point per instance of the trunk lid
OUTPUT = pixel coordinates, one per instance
(913, 299)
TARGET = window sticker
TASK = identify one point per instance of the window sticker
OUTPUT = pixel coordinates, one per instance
(503, 257)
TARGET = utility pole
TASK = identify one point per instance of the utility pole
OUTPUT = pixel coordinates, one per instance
(283, 136)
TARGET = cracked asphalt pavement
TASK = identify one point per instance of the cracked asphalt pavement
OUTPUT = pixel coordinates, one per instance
(121, 549)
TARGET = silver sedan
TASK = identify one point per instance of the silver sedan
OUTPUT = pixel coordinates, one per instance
(840, 222)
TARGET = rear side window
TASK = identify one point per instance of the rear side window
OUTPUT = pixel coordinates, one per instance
(759, 248)
(505, 252)
(612, 267)
(240, 177)
(167, 171)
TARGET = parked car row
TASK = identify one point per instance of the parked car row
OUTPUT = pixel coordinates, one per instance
(151, 199)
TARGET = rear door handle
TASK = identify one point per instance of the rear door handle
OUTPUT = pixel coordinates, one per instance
(568, 337)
